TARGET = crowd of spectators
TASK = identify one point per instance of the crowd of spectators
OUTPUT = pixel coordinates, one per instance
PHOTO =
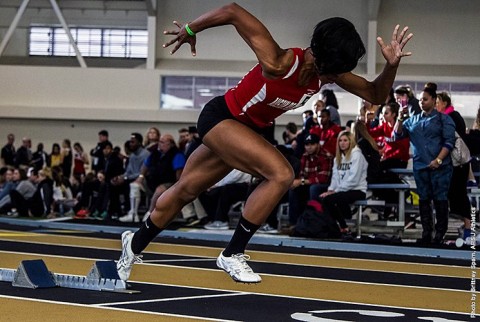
(333, 166)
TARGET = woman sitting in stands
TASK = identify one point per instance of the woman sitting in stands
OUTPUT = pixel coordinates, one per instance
(349, 180)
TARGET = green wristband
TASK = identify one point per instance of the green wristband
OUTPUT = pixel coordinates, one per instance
(189, 31)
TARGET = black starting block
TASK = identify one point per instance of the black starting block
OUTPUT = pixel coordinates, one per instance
(34, 274)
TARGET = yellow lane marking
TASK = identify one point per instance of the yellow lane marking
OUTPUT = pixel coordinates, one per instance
(32, 310)
(17, 234)
(260, 256)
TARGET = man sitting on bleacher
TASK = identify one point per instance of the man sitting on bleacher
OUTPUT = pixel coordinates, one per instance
(313, 179)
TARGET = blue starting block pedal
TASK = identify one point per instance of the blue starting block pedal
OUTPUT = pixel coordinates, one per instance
(34, 274)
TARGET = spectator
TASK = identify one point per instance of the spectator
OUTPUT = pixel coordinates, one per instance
(457, 193)
(7, 185)
(40, 205)
(432, 166)
(24, 154)
(290, 134)
(98, 159)
(194, 141)
(407, 100)
(67, 158)
(313, 179)
(308, 124)
(63, 201)
(183, 139)
(24, 188)
(113, 169)
(349, 181)
(331, 104)
(327, 132)
(132, 173)
(395, 154)
(40, 157)
(162, 168)
(55, 156)
(88, 193)
(8, 151)
(100, 197)
(151, 139)
(3, 177)
(80, 161)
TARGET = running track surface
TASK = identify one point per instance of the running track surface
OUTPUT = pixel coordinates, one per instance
(179, 281)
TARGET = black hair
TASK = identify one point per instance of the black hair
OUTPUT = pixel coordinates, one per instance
(330, 98)
(394, 108)
(336, 46)
(431, 91)
(404, 89)
(292, 127)
(431, 85)
(308, 112)
(137, 136)
(349, 123)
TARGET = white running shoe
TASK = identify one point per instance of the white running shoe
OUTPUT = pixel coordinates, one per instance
(238, 268)
(128, 258)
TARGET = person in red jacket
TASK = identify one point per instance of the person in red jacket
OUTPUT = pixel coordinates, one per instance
(395, 153)
(229, 125)
(328, 133)
(313, 179)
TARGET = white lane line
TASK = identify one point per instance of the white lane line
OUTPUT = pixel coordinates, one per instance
(116, 309)
(173, 299)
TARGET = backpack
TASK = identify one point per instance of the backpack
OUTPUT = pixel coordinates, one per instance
(314, 224)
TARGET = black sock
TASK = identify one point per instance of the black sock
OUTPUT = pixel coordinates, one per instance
(241, 237)
(144, 236)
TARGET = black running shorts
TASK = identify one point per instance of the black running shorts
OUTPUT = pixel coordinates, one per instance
(213, 113)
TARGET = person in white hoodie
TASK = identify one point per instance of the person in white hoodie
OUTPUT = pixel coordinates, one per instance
(349, 180)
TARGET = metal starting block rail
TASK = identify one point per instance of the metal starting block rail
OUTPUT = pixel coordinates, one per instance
(34, 274)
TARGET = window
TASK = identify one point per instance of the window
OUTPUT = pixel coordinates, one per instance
(193, 92)
(92, 42)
